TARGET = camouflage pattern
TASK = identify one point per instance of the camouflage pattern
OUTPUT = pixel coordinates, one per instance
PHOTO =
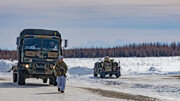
(39, 32)
(37, 63)
(108, 66)
(60, 68)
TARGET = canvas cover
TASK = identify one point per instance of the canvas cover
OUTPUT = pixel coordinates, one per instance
(40, 32)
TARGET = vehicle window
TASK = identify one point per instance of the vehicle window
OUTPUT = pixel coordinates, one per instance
(50, 44)
(33, 44)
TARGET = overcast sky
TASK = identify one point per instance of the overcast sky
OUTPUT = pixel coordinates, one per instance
(82, 21)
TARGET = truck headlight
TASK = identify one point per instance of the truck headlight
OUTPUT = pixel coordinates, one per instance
(27, 66)
(53, 67)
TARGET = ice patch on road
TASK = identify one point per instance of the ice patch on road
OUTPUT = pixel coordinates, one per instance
(160, 89)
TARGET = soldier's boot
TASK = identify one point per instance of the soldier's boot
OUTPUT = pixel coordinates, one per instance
(59, 89)
(62, 91)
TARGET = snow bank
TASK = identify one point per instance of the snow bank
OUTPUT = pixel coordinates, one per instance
(129, 66)
(5, 66)
(133, 65)
(80, 71)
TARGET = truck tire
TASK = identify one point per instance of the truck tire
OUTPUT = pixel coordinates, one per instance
(21, 78)
(102, 75)
(14, 77)
(44, 80)
(52, 81)
(95, 75)
(118, 75)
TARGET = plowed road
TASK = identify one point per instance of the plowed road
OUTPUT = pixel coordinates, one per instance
(92, 90)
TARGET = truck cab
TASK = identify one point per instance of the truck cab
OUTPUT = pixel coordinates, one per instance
(38, 51)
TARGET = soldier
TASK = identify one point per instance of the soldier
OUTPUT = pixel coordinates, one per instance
(60, 73)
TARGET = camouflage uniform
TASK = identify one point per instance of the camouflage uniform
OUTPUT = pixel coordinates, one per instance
(60, 71)
(60, 68)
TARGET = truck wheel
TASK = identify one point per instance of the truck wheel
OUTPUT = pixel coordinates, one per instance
(14, 77)
(44, 80)
(95, 75)
(21, 78)
(102, 75)
(118, 75)
(52, 81)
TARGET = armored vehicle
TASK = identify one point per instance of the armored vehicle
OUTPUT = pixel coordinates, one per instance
(38, 51)
(108, 66)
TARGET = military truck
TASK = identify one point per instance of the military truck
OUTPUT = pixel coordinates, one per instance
(108, 66)
(37, 50)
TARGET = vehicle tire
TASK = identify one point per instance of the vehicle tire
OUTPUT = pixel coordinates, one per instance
(21, 78)
(44, 80)
(110, 75)
(118, 75)
(50, 81)
(14, 77)
(95, 75)
(54, 81)
(102, 75)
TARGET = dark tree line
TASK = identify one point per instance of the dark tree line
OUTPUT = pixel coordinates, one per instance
(7, 54)
(131, 50)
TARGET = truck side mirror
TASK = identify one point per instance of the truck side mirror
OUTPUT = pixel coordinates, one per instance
(65, 43)
(17, 41)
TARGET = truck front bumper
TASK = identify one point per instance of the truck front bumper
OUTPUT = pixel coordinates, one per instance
(109, 72)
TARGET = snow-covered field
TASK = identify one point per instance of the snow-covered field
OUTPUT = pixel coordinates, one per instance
(129, 66)
(133, 66)
(5, 65)
(156, 77)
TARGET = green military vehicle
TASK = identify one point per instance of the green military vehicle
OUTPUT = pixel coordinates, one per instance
(38, 51)
(108, 66)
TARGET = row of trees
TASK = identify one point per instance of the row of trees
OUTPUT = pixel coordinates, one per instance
(7, 54)
(131, 50)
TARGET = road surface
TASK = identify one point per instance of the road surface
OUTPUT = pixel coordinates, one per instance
(139, 88)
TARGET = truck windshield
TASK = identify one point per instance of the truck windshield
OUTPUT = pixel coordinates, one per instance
(32, 43)
(50, 44)
(46, 44)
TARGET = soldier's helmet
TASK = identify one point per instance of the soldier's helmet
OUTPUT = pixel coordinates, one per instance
(60, 57)
(106, 59)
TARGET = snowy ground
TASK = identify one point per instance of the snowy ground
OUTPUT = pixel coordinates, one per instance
(154, 77)
(135, 66)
